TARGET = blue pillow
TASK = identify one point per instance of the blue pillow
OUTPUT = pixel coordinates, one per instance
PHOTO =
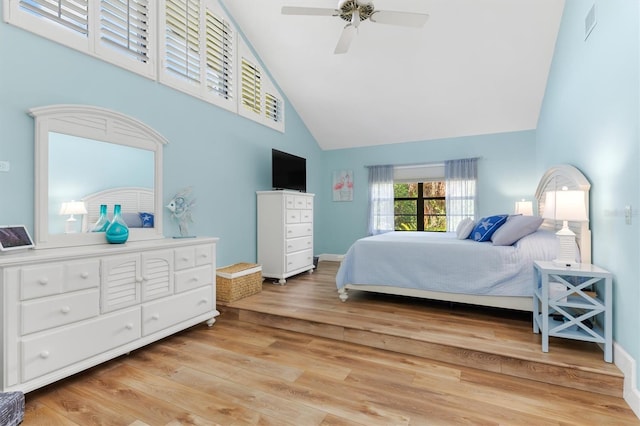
(486, 226)
(147, 220)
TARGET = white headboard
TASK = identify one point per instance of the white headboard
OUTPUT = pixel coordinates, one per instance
(132, 200)
(553, 180)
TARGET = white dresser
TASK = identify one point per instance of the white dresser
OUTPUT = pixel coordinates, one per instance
(68, 309)
(285, 233)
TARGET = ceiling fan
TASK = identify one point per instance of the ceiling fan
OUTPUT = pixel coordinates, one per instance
(356, 11)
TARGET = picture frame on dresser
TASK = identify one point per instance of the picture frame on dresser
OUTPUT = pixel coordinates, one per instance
(15, 237)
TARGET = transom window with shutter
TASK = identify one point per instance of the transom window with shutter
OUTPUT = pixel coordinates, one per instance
(219, 55)
(124, 25)
(251, 97)
(72, 14)
(273, 107)
(182, 38)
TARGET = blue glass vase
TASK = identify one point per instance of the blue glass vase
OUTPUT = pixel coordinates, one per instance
(117, 232)
(103, 221)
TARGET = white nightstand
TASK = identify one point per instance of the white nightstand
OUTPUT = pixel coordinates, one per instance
(573, 303)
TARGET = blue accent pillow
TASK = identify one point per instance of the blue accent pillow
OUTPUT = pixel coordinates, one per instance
(486, 226)
(147, 220)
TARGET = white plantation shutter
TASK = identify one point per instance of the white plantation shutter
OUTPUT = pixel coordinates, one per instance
(124, 25)
(182, 38)
(273, 107)
(219, 56)
(251, 86)
(72, 14)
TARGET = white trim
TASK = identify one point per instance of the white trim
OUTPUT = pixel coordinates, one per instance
(331, 257)
(627, 365)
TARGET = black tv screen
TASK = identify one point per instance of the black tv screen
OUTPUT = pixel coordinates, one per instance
(288, 171)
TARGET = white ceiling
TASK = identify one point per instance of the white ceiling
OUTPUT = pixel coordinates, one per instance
(476, 67)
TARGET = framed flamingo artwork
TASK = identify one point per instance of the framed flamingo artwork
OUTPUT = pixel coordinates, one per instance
(342, 185)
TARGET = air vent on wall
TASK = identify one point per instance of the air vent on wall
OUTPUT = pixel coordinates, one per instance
(590, 21)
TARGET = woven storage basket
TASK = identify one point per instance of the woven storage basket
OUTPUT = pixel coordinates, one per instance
(237, 281)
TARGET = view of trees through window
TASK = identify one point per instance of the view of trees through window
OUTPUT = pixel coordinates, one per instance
(420, 206)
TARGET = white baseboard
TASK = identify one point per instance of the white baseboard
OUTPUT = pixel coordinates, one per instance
(331, 257)
(627, 365)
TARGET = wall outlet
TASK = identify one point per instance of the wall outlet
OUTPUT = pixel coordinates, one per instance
(4, 166)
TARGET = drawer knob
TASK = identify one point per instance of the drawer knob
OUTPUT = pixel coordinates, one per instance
(155, 317)
(84, 275)
(65, 310)
(139, 279)
(43, 281)
(44, 354)
(129, 326)
(204, 301)
(184, 258)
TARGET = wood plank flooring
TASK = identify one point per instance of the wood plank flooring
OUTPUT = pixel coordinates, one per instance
(296, 355)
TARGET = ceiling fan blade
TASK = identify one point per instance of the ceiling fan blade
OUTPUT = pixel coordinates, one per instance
(345, 39)
(315, 11)
(407, 19)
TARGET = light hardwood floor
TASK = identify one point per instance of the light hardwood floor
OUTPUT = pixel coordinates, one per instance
(286, 357)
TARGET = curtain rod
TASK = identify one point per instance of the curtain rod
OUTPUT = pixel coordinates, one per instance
(431, 163)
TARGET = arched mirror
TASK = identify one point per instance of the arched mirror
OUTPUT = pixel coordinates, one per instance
(87, 156)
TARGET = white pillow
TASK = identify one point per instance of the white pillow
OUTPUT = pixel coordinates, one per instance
(464, 228)
(515, 228)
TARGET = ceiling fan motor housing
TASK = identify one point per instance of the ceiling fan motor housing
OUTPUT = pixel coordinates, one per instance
(347, 7)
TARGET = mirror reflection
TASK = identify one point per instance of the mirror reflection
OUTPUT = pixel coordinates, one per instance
(81, 167)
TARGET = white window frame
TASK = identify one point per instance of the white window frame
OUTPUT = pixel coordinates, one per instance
(90, 43)
(198, 88)
(266, 87)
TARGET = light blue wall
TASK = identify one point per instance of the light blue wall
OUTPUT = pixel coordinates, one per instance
(226, 158)
(506, 174)
(590, 119)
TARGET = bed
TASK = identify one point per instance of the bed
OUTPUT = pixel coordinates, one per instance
(133, 201)
(440, 266)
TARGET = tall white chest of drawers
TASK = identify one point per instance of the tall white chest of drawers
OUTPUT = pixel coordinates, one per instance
(67, 309)
(285, 233)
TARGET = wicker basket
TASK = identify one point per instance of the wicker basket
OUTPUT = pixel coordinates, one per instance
(237, 281)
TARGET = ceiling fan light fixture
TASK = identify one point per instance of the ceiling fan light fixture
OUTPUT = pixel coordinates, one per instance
(346, 8)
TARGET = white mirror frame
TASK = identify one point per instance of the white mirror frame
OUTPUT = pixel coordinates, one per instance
(91, 123)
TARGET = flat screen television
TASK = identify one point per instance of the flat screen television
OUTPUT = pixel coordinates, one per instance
(288, 171)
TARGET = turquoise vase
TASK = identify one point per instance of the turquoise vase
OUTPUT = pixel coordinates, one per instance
(117, 232)
(103, 221)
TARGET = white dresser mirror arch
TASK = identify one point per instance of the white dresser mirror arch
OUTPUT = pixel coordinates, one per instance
(101, 125)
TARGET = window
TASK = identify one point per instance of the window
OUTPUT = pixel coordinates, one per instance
(198, 51)
(120, 34)
(260, 100)
(420, 206)
(189, 45)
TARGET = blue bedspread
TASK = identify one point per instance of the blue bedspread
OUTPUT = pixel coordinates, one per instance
(441, 262)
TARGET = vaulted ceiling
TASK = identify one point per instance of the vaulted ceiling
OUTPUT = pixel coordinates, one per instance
(476, 67)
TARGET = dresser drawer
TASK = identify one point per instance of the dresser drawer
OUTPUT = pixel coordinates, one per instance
(301, 202)
(52, 351)
(293, 216)
(42, 280)
(290, 201)
(297, 244)
(185, 258)
(193, 278)
(170, 311)
(55, 311)
(299, 260)
(300, 230)
(81, 275)
(205, 255)
(306, 216)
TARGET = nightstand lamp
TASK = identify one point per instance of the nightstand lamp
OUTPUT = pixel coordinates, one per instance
(524, 208)
(71, 208)
(566, 206)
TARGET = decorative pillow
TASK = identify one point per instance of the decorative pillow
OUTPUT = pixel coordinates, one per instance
(486, 226)
(132, 220)
(146, 219)
(515, 228)
(464, 228)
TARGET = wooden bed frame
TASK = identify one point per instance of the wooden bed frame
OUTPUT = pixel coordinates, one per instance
(132, 200)
(553, 179)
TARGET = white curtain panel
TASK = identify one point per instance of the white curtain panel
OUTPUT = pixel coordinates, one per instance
(461, 198)
(381, 215)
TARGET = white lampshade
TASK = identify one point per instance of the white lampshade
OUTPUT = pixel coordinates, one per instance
(73, 207)
(524, 208)
(565, 205)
